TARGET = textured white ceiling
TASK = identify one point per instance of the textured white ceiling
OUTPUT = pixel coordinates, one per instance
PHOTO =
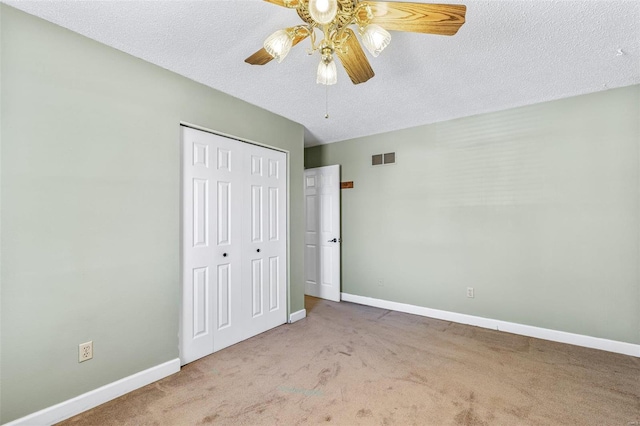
(508, 54)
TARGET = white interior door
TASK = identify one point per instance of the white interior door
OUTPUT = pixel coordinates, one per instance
(234, 269)
(322, 232)
(264, 254)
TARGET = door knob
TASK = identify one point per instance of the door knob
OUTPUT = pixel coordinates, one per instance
(258, 250)
(335, 240)
(224, 254)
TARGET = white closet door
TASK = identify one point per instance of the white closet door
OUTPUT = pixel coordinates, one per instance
(234, 269)
(211, 253)
(264, 245)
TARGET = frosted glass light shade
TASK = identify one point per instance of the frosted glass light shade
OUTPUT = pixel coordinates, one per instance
(327, 72)
(375, 38)
(278, 44)
(323, 11)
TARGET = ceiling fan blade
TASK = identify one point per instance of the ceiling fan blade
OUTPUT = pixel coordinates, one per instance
(442, 19)
(262, 57)
(354, 60)
(284, 3)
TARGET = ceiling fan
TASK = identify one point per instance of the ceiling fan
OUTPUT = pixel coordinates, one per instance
(372, 19)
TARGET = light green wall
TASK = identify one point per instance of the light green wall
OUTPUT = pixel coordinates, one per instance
(90, 197)
(537, 208)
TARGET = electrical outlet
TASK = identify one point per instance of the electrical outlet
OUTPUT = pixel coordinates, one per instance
(85, 351)
(470, 292)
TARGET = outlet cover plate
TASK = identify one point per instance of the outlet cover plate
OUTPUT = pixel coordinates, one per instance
(85, 351)
(470, 292)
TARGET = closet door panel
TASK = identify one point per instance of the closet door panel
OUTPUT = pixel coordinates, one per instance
(212, 180)
(229, 178)
(266, 244)
(196, 339)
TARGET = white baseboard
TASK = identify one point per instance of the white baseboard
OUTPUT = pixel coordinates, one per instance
(509, 327)
(297, 316)
(91, 399)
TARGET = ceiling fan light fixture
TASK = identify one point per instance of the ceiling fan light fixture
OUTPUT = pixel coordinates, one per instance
(323, 11)
(340, 21)
(375, 38)
(278, 44)
(327, 72)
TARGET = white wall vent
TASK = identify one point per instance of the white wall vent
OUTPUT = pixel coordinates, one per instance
(380, 159)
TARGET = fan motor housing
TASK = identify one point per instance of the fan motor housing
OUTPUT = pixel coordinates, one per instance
(345, 7)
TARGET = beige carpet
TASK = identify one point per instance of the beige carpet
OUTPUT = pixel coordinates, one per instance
(349, 364)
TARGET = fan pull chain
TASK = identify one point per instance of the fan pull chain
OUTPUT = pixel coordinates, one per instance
(326, 106)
